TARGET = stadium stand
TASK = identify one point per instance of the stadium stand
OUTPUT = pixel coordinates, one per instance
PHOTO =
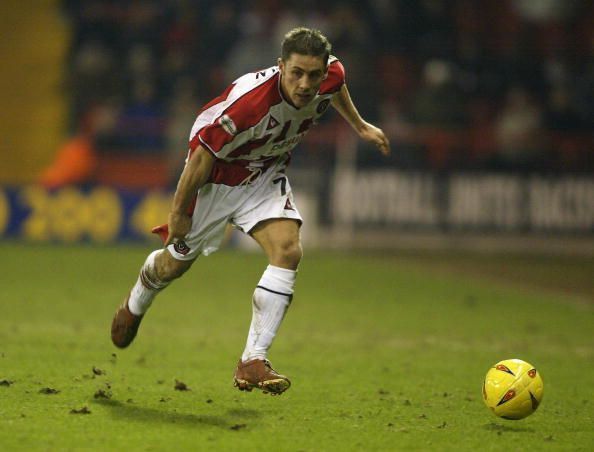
(457, 84)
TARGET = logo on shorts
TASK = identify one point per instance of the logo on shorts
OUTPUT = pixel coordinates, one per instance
(228, 125)
(181, 247)
(288, 205)
(323, 106)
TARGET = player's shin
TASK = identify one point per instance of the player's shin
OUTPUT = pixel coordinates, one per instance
(271, 299)
(147, 286)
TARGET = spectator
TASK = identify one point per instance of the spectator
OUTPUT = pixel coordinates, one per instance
(518, 132)
(561, 115)
(75, 161)
(468, 55)
(438, 100)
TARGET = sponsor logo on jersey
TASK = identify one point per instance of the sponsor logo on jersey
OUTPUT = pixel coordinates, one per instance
(323, 106)
(181, 247)
(272, 123)
(289, 142)
(228, 125)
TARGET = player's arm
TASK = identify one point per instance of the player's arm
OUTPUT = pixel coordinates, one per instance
(343, 103)
(194, 176)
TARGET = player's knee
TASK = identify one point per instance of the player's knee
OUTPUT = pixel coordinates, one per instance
(289, 253)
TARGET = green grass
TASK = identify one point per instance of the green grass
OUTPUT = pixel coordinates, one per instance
(385, 353)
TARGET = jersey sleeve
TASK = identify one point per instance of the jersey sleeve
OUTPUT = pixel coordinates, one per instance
(231, 123)
(335, 79)
(219, 134)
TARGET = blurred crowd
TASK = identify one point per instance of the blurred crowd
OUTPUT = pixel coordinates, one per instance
(456, 84)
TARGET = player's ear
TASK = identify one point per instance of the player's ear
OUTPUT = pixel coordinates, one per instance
(325, 76)
(281, 64)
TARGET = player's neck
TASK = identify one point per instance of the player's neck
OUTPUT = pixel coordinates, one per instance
(284, 94)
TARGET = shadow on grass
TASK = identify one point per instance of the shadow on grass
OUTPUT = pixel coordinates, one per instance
(132, 412)
(492, 426)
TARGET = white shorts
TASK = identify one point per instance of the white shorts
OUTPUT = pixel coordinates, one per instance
(244, 206)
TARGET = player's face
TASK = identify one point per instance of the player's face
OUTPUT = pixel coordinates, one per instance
(301, 77)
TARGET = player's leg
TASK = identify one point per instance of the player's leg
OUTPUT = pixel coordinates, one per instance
(280, 240)
(159, 269)
(209, 221)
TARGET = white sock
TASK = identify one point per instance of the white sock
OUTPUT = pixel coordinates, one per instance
(271, 299)
(147, 286)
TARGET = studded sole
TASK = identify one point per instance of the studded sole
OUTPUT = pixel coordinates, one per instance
(272, 387)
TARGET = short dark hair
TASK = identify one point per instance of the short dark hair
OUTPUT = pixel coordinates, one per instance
(306, 41)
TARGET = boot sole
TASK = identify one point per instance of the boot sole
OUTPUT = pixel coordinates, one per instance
(272, 387)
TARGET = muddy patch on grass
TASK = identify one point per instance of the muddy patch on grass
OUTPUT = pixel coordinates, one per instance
(181, 386)
(102, 394)
(49, 391)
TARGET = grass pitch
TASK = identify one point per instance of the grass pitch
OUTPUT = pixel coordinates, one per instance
(384, 352)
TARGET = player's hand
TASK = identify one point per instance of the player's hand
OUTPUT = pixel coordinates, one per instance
(376, 136)
(179, 225)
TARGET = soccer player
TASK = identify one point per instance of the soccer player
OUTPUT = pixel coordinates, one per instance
(240, 146)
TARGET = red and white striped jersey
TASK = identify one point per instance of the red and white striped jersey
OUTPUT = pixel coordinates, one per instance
(250, 126)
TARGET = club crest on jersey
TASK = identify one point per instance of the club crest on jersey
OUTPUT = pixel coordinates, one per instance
(323, 106)
(272, 123)
(228, 125)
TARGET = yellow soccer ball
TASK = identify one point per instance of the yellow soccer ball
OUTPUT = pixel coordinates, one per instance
(513, 389)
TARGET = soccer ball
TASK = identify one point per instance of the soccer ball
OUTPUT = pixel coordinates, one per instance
(512, 389)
